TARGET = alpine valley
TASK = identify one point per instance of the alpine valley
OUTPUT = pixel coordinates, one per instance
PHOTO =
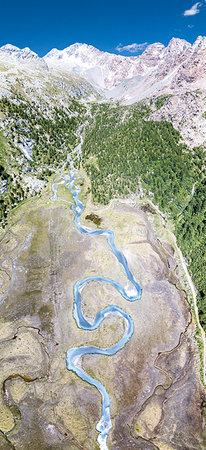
(102, 248)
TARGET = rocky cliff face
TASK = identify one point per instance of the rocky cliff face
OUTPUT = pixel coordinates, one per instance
(187, 112)
(180, 67)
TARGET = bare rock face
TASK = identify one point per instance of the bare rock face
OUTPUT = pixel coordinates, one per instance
(187, 112)
(179, 66)
(153, 383)
(24, 57)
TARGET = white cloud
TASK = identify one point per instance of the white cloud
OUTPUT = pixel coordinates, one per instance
(132, 48)
(194, 10)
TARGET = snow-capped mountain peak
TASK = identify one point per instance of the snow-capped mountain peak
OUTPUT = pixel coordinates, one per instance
(154, 49)
(107, 71)
(9, 48)
(74, 56)
(177, 46)
(16, 52)
(200, 43)
(158, 69)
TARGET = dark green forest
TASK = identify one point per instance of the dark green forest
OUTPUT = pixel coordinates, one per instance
(191, 238)
(124, 151)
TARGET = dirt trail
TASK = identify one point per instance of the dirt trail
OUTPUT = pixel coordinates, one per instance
(191, 285)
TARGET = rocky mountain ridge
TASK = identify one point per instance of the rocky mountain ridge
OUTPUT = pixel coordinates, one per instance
(109, 70)
(159, 64)
(179, 68)
(25, 53)
(177, 72)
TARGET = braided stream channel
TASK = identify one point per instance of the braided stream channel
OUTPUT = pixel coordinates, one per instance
(73, 356)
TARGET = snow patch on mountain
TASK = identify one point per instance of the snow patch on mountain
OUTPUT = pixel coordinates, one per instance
(156, 66)
(81, 68)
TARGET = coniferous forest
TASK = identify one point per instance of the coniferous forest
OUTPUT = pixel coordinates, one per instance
(125, 152)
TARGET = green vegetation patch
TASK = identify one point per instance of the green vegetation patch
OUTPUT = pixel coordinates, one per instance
(11, 191)
(133, 151)
(159, 101)
(191, 237)
(124, 152)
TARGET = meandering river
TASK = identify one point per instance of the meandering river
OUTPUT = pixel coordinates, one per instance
(73, 357)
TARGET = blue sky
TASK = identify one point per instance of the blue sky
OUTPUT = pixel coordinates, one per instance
(109, 25)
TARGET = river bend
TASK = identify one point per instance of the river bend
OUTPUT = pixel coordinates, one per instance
(73, 357)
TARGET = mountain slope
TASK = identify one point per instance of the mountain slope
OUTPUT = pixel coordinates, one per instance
(178, 66)
(82, 71)
(131, 163)
(158, 68)
(24, 72)
(104, 69)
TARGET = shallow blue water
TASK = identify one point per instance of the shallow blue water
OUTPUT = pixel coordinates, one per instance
(73, 358)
